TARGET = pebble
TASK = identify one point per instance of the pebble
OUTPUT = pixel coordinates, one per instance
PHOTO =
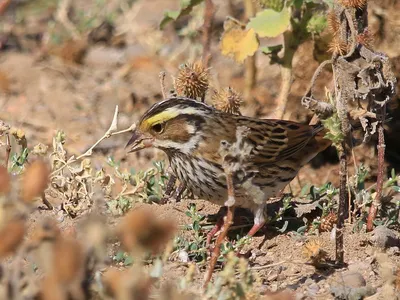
(313, 289)
(384, 237)
(183, 256)
(352, 279)
(393, 251)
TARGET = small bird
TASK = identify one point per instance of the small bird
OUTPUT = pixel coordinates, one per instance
(191, 134)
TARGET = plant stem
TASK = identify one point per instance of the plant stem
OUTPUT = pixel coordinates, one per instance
(342, 204)
(250, 71)
(207, 29)
(379, 183)
(286, 72)
(8, 150)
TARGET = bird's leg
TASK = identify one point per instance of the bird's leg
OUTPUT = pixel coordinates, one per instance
(259, 220)
(255, 229)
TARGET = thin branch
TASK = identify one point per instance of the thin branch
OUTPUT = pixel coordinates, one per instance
(381, 169)
(209, 12)
(62, 17)
(8, 150)
(162, 84)
(110, 132)
(250, 71)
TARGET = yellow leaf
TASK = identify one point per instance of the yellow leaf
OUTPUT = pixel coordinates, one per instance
(238, 43)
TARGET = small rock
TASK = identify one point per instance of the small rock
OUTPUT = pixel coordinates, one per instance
(384, 237)
(313, 289)
(352, 279)
(352, 286)
(309, 281)
(393, 251)
(183, 256)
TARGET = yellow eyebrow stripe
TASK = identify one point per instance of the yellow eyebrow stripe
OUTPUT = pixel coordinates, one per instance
(161, 117)
(167, 115)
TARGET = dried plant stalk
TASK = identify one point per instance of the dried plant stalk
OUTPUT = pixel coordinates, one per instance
(207, 29)
(379, 184)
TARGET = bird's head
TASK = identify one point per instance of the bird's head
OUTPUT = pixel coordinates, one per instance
(171, 125)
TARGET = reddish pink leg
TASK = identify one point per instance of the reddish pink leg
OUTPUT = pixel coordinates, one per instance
(255, 228)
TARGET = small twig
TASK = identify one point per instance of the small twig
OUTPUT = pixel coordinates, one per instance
(310, 90)
(353, 33)
(250, 71)
(8, 150)
(207, 29)
(342, 204)
(276, 264)
(62, 17)
(110, 132)
(379, 183)
(162, 84)
(46, 202)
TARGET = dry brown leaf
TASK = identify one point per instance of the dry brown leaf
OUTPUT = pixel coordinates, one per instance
(11, 236)
(142, 230)
(4, 180)
(237, 42)
(4, 83)
(35, 180)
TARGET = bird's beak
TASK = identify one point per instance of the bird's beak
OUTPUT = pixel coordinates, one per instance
(139, 141)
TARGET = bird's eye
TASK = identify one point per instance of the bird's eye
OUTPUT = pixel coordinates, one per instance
(158, 128)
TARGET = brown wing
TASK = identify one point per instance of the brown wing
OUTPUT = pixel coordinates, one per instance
(277, 140)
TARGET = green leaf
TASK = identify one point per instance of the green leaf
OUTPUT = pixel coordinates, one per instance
(173, 15)
(271, 49)
(304, 190)
(284, 227)
(317, 24)
(270, 23)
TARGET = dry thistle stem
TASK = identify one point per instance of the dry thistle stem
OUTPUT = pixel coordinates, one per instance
(140, 230)
(11, 236)
(353, 3)
(192, 81)
(227, 100)
(4, 181)
(35, 180)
